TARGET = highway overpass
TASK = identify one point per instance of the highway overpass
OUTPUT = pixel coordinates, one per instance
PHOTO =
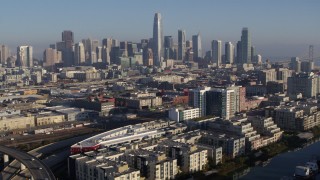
(37, 169)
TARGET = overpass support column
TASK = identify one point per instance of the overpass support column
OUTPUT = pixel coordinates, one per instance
(5, 160)
(22, 167)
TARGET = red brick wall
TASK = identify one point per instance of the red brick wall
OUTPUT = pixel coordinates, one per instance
(180, 100)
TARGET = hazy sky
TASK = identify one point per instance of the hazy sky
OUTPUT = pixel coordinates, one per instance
(278, 27)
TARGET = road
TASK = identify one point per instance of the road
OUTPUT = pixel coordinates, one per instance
(55, 153)
(36, 167)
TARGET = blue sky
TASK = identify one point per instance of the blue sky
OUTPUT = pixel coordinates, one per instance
(278, 27)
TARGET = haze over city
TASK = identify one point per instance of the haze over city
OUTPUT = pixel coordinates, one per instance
(278, 28)
(159, 90)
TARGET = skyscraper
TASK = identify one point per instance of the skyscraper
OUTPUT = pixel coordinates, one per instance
(295, 64)
(229, 53)
(197, 99)
(24, 56)
(181, 44)
(67, 37)
(90, 47)
(216, 52)
(105, 55)
(50, 57)
(220, 102)
(107, 42)
(239, 53)
(188, 44)
(245, 46)
(304, 83)
(253, 54)
(168, 47)
(4, 54)
(79, 54)
(66, 48)
(197, 48)
(157, 40)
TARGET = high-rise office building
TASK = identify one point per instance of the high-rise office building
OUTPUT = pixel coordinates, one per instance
(221, 102)
(246, 46)
(53, 46)
(149, 59)
(229, 53)
(79, 54)
(50, 57)
(90, 47)
(66, 46)
(197, 48)
(188, 44)
(307, 66)
(304, 83)
(107, 42)
(4, 54)
(253, 54)
(115, 55)
(124, 45)
(216, 52)
(157, 40)
(115, 43)
(168, 47)
(67, 37)
(24, 56)
(295, 64)
(144, 44)
(60, 46)
(132, 49)
(197, 99)
(99, 53)
(239, 53)
(95, 54)
(181, 44)
(105, 55)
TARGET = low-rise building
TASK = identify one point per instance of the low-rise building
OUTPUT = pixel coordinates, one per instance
(191, 158)
(240, 126)
(100, 168)
(139, 102)
(299, 117)
(182, 114)
(232, 145)
(46, 118)
(17, 121)
(152, 165)
(74, 114)
(266, 127)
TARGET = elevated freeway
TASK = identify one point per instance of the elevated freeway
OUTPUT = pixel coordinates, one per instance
(37, 169)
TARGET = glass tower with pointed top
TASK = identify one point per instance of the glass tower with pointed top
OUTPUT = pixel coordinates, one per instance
(157, 40)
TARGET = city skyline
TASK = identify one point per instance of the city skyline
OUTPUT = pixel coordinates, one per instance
(273, 25)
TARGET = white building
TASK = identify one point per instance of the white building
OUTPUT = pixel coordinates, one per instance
(25, 56)
(181, 114)
(197, 99)
(229, 53)
(79, 54)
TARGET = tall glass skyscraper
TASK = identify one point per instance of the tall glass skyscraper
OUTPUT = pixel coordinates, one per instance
(196, 45)
(216, 51)
(229, 53)
(181, 44)
(157, 40)
(168, 47)
(246, 46)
